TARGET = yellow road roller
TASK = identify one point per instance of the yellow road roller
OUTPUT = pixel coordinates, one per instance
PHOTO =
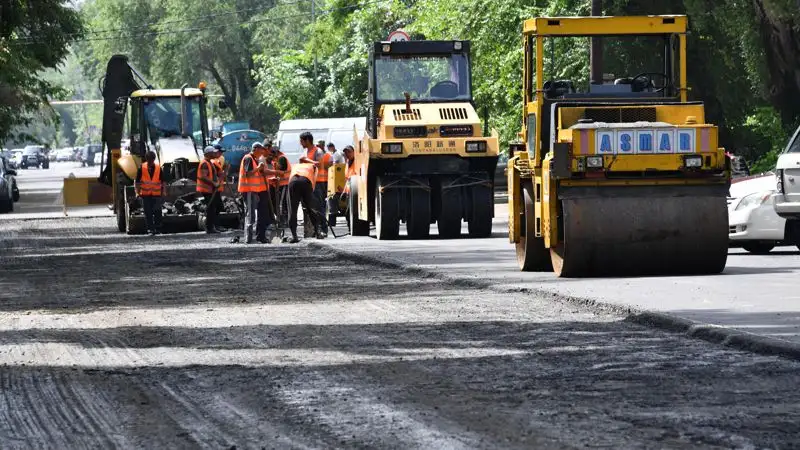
(618, 173)
(425, 156)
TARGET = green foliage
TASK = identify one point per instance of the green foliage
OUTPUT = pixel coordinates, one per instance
(34, 37)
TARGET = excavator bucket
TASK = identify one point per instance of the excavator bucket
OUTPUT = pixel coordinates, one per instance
(86, 192)
(642, 231)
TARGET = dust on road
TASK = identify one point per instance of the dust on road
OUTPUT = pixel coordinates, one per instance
(183, 342)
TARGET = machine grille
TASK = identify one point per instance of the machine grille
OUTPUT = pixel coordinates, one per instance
(401, 115)
(453, 113)
(620, 115)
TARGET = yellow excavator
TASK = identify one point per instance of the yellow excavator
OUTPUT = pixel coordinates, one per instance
(624, 176)
(170, 122)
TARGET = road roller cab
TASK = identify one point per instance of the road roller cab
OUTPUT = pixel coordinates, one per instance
(425, 156)
(621, 175)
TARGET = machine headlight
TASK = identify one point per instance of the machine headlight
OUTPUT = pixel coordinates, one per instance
(391, 148)
(386, 48)
(594, 162)
(692, 161)
(476, 147)
(457, 46)
(753, 200)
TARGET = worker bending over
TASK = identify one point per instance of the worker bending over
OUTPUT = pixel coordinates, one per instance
(301, 190)
(210, 183)
(149, 187)
(315, 155)
(254, 187)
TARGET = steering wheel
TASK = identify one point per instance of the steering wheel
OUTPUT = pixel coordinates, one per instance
(447, 85)
(648, 76)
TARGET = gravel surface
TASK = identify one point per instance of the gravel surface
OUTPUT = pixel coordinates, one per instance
(182, 341)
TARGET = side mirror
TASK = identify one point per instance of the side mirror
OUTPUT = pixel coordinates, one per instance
(223, 104)
(216, 135)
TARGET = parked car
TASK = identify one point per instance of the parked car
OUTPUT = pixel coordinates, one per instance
(9, 193)
(753, 223)
(34, 156)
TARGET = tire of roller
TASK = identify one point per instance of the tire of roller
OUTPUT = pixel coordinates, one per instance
(387, 220)
(418, 224)
(640, 236)
(449, 221)
(532, 256)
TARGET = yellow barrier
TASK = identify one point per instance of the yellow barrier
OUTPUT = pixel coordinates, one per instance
(85, 192)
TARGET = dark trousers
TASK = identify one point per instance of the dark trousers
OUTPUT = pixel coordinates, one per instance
(256, 214)
(301, 191)
(152, 213)
(213, 205)
(283, 205)
(320, 192)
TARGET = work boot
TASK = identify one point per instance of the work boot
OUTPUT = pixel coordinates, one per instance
(263, 241)
(322, 235)
(293, 240)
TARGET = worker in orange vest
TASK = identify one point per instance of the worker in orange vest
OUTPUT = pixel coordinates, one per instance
(301, 190)
(149, 186)
(314, 155)
(210, 185)
(350, 161)
(254, 187)
(283, 166)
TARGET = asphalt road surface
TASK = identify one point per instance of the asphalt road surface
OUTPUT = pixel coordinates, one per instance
(186, 341)
(183, 341)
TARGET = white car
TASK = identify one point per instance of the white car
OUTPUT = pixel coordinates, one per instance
(753, 223)
(787, 198)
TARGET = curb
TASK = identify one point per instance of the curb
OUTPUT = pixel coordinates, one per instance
(728, 337)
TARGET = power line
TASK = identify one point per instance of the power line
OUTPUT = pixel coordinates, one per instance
(211, 27)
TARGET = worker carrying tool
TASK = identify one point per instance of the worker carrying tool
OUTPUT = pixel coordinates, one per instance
(301, 190)
(254, 187)
(149, 187)
(210, 183)
(314, 155)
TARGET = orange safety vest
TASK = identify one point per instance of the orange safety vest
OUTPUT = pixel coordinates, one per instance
(207, 175)
(351, 170)
(221, 172)
(307, 171)
(325, 163)
(150, 187)
(252, 181)
(284, 181)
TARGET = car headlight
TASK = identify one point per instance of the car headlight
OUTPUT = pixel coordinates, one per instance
(478, 146)
(392, 148)
(692, 161)
(753, 200)
(594, 162)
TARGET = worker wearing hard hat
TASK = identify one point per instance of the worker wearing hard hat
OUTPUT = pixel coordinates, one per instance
(210, 185)
(254, 187)
(282, 165)
(314, 155)
(149, 186)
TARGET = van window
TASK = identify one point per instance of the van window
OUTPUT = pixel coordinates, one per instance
(341, 138)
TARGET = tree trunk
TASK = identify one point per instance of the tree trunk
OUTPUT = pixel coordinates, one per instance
(229, 93)
(781, 46)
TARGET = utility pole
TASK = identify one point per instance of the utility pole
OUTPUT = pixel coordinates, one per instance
(596, 51)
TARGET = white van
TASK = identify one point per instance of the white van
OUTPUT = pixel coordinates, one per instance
(339, 131)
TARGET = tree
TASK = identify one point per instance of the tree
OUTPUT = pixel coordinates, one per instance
(34, 36)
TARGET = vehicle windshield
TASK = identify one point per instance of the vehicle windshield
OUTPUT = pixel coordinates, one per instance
(631, 65)
(432, 78)
(163, 116)
(32, 150)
